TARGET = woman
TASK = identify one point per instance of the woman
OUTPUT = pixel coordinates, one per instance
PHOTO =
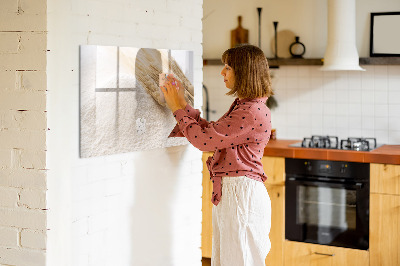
(242, 208)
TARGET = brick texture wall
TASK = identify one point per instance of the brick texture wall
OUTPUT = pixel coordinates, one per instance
(141, 208)
(138, 208)
(23, 129)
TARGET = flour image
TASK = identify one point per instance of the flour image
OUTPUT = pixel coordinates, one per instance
(121, 106)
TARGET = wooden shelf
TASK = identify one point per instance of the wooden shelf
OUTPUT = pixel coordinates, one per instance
(380, 61)
(273, 63)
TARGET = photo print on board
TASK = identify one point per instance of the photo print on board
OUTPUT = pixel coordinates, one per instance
(121, 108)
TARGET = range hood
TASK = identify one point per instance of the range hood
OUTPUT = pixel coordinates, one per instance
(341, 51)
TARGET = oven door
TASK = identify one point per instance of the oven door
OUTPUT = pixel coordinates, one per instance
(327, 213)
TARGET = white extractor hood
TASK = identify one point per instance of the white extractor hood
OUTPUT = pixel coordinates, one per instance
(341, 51)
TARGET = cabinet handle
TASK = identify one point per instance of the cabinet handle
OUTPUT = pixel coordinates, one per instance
(324, 254)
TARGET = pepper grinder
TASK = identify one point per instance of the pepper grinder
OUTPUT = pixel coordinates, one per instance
(276, 38)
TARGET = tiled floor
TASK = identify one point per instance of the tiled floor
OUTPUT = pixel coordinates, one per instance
(206, 261)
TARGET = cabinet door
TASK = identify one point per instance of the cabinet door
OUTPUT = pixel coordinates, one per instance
(304, 254)
(385, 178)
(384, 230)
(274, 168)
(277, 233)
(206, 232)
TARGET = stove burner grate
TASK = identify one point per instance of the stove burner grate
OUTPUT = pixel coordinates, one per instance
(358, 144)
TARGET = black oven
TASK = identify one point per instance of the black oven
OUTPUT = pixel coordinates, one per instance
(327, 202)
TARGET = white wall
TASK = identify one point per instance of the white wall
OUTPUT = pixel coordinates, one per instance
(139, 208)
(23, 133)
(311, 102)
(306, 19)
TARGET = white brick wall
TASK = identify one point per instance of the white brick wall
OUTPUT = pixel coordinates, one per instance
(22, 132)
(139, 208)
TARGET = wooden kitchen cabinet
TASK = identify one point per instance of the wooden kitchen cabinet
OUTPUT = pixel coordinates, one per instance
(274, 168)
(206, 225)
(305, 254)
(384, 236)
(277, 233)
(385, 215)
(385, 178)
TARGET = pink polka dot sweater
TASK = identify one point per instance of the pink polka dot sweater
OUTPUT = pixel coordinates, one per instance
(238, 139)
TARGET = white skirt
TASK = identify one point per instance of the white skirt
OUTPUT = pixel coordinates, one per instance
(241, 223)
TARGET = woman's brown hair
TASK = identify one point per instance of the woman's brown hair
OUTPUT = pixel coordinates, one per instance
(250, 66)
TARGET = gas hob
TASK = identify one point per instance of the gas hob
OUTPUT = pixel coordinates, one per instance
(332, 142)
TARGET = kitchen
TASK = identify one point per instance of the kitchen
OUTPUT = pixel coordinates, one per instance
(315, 103)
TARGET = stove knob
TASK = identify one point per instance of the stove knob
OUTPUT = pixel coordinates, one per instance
(308, 166)
(343, 168)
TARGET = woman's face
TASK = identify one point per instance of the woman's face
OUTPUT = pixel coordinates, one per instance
(229, 76)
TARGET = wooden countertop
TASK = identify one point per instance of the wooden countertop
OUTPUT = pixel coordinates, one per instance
(389, 154)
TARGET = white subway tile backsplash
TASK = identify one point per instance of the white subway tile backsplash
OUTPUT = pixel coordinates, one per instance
(394, 97)
(342, 96)
(304, 72)
(329, 122)
(394, 110)
(381, 110)
(380, 71)
(304, 109)
(393, 71)
(291, 71)
(329, 93)
(342, 133)
(292, 83)
(394, 137)
(369, 70)
(329, 109)
(355, 96)
(328, 74)
(316, 82)
(342, 122)
(381, 84)
(355, 109)
(354, 80)
(381, 97)
(342, 109)
(355, 122)
(382, 123)
(367, 110)
(348, 103)
(382, 136)
(394, 123)
(342, 81)
(318, 131)
(367, 96)
(394, 83)
(304, 82)
(293, 120)
(367, 133)
(355, 132)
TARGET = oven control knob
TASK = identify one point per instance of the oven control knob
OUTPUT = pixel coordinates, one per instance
(343, 168)
(308, 166)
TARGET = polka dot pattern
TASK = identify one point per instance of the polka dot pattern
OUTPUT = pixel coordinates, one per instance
(238, 139)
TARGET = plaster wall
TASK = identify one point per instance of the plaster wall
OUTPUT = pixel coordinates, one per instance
(307, 19)
(137, 208)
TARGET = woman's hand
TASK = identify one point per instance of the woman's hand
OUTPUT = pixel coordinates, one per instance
(174, 94)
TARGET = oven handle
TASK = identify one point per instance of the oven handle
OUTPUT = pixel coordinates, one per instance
(357, 185)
